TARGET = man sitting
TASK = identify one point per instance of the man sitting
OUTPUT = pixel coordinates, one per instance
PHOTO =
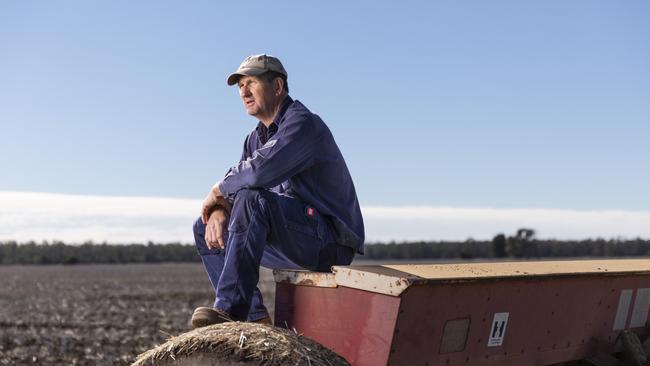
(289, 203)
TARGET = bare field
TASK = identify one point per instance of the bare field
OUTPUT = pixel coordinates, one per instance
(98, 314)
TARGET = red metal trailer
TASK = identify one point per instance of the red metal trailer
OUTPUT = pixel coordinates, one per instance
(505, 313)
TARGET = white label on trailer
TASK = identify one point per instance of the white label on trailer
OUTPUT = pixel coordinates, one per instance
(641, 308)
(623, 309)
(498, 330)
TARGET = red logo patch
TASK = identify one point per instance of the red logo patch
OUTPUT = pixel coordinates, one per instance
(310, 212)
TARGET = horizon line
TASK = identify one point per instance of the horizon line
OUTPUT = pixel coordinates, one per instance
(37, 216)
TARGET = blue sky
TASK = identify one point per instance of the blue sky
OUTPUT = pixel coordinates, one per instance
(500, 104)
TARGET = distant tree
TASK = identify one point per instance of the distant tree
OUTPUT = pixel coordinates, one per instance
(499, 246)
(525, 234)
(521, 245)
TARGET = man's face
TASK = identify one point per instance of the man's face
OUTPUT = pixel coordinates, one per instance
(257, 95)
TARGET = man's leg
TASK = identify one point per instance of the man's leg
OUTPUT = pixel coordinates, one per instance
(213, 260)
(279, 230)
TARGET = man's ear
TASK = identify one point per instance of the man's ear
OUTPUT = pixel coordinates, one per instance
(278, 86)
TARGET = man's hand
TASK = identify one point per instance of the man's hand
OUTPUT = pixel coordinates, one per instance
(214, 229)
(214, 200)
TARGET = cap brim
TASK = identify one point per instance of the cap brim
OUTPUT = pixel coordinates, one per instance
(234, 77)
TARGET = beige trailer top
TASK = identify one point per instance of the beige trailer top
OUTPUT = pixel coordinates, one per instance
(394, 279)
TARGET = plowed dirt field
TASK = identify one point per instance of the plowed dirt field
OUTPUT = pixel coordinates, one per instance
(98, 314)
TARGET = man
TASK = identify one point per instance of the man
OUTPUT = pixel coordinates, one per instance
(288, 203)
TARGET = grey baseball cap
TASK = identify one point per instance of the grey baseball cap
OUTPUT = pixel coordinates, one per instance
(256, 65)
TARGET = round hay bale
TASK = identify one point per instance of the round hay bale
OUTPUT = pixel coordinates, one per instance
(239, 343)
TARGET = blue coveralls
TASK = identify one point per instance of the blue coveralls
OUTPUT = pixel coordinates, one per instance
(294, 207)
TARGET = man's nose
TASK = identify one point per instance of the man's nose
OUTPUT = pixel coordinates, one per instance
(244, 91)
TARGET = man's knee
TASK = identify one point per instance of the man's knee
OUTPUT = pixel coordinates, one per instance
(199, 228)
(199, 237)
(249, 195)
(248, 203)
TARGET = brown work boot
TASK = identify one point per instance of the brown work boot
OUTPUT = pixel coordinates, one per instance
(204, 316)
(265, 320)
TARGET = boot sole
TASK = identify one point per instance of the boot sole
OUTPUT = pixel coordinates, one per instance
(204, 316)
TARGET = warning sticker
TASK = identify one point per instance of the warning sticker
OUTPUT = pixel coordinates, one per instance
(498, 330)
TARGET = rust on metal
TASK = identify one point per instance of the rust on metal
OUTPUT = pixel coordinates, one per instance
(304, 278)
(379, 279)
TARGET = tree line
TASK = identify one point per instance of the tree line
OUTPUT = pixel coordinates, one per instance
(522, 244)
(58, 252)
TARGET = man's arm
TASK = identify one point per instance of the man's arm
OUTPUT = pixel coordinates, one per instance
(213, 201)
(289, 152)
(214, 198)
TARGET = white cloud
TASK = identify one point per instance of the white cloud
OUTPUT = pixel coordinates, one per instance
(440, 223)
(44, 216)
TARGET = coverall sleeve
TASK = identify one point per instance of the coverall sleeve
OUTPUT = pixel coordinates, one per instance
(244, 155)
(287, 153)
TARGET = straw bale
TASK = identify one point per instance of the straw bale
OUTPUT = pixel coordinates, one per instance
(239, 343)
